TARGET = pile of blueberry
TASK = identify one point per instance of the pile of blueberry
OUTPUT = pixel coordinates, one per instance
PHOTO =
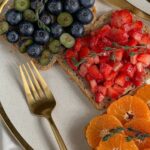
(45, 27)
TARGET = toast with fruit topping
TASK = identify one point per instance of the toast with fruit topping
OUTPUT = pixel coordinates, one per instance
(112, 59)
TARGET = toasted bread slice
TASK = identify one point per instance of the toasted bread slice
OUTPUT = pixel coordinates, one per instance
(100, 21)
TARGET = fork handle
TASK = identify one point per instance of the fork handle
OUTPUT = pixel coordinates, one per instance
(57, 135)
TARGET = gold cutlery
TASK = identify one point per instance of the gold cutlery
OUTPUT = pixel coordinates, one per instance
(124, 4)
(13, 130)
(2, 5)
(40, 100)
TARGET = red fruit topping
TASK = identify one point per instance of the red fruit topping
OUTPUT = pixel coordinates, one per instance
(144, 58)
(119, 89)
(112, 75)
(140, 67)
(105, 69)
(84, 51)
(118, 54)
(108, 83)
(133, 59)
(95, 73)
(103, 59)
(132, 42)
(118, 35)
(70, 54)
(111, 92)
(99, 97)
(71, 64)
(120, 18)
(145, 39)
(135, 35)
(96, 59)
(138, 79)
(104, 31)
(121, 79)
(93, 85)
(78, 45)
(137, 25)
(88, 77)
(83, 70)
(129, 69)
(117, 66)
(102, 89)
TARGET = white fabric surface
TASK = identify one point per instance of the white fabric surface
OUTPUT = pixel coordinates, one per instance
(86, 111)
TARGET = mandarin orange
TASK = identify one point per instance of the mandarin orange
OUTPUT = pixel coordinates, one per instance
(144, 93)
(143, 126)
(117, 142)
(99, 127)
(128, 108)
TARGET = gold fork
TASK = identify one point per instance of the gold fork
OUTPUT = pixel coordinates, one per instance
(40, 100)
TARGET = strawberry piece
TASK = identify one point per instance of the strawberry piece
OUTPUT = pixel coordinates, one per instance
(126, 27)
(96, 59)
(103, 59)
(144, 58)
(108, 83)
(127, 85)
(145, 39)
(88, 77)
(99, 97)
(140, 67)
(119, 54)
(119, 89)
(83, 70)
(137, 25)
(133, 59)
(112, 93)
(70, 54)
(118, 35)
(138, 79)
(121, 79)
(105, 69)
(93, 85)
(71, 64)
(95, 73)
(121, 17)
(132, 42)
(102, 89)
(90, 61)
(112, 75)
(135, 35)
(78, 45)
(84, 51)
(117, 66)
(107, 42)
(129, 69)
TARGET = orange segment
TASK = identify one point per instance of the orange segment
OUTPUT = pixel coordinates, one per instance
(117, 142)
(144, 93)
(143, 126)
(99, 127)
(128, 108)
(147, 149)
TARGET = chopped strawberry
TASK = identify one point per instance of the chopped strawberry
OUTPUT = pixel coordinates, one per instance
(119, 89)
(106, 41)
(78, 45)
(83, 70)
(88, 77)
(144, 58)
(118, 35)
(145, 39)
(112, 93)
(96, 59)
(70, 54)
(129, 69)
(120, 18)
(135, 35)
(102, 89)
(105, 69)
(133, 59)
(83, 52)
(126, 27)
(99, 97)
(139, 66)
(104, 59)
(93, 85)
(71, 64)
(90, 61)
(118, 54)
(128, 85)
(137, 25)
(95, 73)
(112, 75)
(117, 66)
(109, 83)
(138, 79)
(132, 42)
(121, 79)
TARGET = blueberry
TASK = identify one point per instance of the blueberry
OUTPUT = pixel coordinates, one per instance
(56, 30)
(77, 29)
(12, 36)
(71, 6)
(55, 6)
(26, 28)
(85, 16)
(41, 36)
(34, 4)
(34, 50)
(45, 18)
(87, 3)
(13, 17)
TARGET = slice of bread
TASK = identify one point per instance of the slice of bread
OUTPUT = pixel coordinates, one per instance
(100, 21)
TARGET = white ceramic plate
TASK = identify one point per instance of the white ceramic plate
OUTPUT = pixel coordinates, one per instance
(143, 5)
(72, 113)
